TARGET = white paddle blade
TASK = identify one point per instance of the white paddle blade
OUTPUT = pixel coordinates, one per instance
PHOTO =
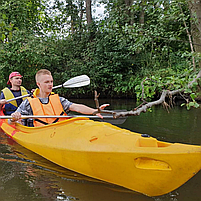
(77, 81)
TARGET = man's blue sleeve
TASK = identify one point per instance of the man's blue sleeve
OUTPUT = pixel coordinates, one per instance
(2, 96)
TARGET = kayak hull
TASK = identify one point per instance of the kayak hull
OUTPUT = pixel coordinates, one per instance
(111, 154)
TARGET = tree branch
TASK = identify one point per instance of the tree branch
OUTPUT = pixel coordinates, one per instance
(143, 107)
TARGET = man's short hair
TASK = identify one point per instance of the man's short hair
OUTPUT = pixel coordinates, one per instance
(42, 72)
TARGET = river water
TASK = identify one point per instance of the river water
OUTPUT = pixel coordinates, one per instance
(27, 176)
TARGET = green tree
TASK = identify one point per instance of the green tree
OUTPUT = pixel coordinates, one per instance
(136, 39)
(23, 14)
(5, 29)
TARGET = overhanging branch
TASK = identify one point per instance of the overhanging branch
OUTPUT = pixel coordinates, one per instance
(144, 107)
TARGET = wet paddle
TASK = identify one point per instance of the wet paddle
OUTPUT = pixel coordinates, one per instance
(78, 81)
(106, 118)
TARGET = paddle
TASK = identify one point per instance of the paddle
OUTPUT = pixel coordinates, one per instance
(78, 81)
(106, 118)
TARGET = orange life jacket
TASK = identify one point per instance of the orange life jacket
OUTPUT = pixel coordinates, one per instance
(53, 107)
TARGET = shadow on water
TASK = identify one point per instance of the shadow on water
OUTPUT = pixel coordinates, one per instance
(27, 176)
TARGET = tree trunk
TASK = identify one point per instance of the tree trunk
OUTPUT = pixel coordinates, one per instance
(88, 12)
(141, 20)
(129, 3)
(195, 10)
(81, 8)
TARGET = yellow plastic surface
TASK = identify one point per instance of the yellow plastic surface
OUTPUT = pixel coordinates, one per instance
(108, 153)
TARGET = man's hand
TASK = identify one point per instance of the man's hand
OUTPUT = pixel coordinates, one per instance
(16, 116)
(2, 101)
(32, 90)
(102, 107)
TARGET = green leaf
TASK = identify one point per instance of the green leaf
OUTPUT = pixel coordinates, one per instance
(193, 96)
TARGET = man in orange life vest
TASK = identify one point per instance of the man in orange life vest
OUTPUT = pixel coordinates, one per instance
(16, 90)
(44, 102)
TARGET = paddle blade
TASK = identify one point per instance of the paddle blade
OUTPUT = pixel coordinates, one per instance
(111, 120)
(78, 81)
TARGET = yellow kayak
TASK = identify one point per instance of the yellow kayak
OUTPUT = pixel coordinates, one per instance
(111, 154)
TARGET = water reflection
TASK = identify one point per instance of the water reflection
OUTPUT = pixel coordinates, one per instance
(27, 176)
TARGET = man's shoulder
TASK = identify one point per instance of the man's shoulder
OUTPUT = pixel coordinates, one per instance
(4, 91)
(61, 98)
(25, 102)
(5, 88)
(23, 88)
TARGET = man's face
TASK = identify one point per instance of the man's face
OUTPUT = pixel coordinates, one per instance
(45, 83)
(16, 81)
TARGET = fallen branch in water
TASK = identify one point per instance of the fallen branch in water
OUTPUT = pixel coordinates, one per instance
(145, 105)
(98, 107)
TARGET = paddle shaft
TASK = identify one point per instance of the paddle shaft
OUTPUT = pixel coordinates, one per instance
(109, 119)
(78, 81)
(27, 95)
(12, 99)
(55, 116)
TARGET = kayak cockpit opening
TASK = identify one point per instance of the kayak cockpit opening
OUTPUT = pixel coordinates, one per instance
(150, 142)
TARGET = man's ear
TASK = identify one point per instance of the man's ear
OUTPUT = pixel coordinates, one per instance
(38, 84)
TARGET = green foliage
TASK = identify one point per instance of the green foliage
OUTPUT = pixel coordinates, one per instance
(166, 79)
(108, 59)
(26, 54)
(117, 53)
(22, 14)
(5, 29)
(192, 103)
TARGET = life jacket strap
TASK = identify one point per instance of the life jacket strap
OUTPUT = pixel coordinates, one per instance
(42, 122)
(45, 123)
(57, 119)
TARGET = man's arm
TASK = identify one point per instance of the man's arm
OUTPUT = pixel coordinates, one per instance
(2, 100)
(83, 109)
(24, 109)
(80, 108)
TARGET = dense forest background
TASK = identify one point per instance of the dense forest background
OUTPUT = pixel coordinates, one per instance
(158, 39)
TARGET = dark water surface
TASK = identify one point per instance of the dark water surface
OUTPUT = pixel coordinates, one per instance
(27, 176)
